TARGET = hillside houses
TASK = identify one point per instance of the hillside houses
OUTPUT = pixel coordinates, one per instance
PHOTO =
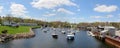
(27, 24)
(7, 23)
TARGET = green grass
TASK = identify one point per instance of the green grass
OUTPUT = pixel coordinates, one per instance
(13, 30)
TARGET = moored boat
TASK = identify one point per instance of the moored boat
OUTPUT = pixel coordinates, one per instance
(70, 36)
(63, 32)
(90, 33)
(54, 35)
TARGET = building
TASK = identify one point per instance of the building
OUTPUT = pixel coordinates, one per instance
(104, 30)
(7, 23)
(111, 30)
(117, 33)
(27, 24)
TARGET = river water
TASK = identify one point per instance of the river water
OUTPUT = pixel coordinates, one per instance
(45, 40)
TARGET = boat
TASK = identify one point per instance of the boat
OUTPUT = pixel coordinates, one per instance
(70, 36)
(63, 32)
(55, 36)
(73, 33)
(90, 33)
(45, 31)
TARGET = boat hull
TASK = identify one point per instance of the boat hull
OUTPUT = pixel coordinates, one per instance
(55, 36)
(70, 38)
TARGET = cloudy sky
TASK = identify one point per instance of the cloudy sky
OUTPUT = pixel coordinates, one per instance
(73, 11)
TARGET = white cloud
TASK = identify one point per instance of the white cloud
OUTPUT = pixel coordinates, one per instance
(65, 11)
(1, 8)
(105, 8)
(41, 18)
(118, 20)
(119, 15)
(81, 18)
(54, 10)
(97, 17)
(49, 15)
(109, 16)
(49, 4)
(18, 9)
(77, 18)
(78, 9)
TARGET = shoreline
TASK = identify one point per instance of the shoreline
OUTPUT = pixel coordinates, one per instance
(8, 37)
(24, 35)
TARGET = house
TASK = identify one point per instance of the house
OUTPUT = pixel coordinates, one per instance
(7, 23)
(103, 33)
(104, 30)
(117, 33)
(111, 30)
(27, 24)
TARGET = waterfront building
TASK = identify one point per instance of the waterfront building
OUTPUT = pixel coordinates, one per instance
(111, 30)
(27, 24)
(117, 33)
(7, 23)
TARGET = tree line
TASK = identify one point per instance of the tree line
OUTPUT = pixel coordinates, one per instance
(9, 18)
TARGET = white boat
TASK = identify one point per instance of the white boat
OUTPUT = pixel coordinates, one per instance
(73, 33)
(63, 32)
(54, 35)
(70, 36)
(90, 33)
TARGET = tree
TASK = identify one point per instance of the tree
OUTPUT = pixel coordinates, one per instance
(8, 18)
(0, 20)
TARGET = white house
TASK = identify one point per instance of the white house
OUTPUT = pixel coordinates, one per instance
(108, 30)
(117, 33)
(103, 33)
(27, 24)
(111, 30)
(6, 23)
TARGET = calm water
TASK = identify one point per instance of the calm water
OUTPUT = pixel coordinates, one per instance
(45, 40)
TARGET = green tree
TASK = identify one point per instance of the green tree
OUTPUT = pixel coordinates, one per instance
(0, 20)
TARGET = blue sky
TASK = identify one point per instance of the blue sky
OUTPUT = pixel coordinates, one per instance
(73, 11)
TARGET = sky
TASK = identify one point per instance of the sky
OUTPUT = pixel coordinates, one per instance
(73, 11)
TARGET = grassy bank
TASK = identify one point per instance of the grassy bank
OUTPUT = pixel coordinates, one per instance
(13, 30)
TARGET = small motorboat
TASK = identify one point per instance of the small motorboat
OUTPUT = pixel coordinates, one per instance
(45, 31)
(90, 33)
(54, 35)
(73, 33)
(63, 32)
(70, 36)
